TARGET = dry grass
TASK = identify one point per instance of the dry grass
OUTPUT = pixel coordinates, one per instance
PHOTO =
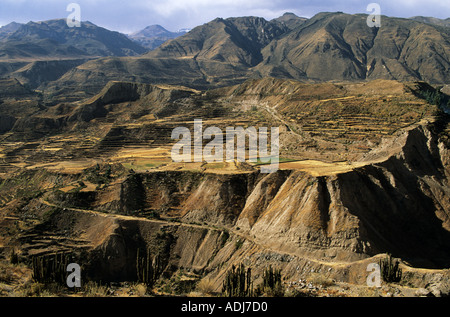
(92, 289)
(320, 279)
(318, 168)
(140, 290)
(206, 287)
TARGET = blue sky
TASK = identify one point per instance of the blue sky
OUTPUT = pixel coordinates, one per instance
(133, 15)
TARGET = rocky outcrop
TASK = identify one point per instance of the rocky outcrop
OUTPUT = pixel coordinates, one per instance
(119, 92)
(378, 208)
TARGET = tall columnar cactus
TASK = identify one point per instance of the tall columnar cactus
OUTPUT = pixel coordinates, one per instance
(238, 282)
(271, 284)
(50, 268)
(271, 278)
(390, 271)
(148, 269)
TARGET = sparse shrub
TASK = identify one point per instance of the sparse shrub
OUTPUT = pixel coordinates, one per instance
(51, 290)
(5, 275)
(238, 244)
(140, 289)
(154, 215)
(321, 279)
(224, 237)
(206, 286)
(180, 285)
(34, 290)
(13, 257)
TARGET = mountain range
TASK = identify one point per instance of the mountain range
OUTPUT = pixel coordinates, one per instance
(54, 39)
(328, 46)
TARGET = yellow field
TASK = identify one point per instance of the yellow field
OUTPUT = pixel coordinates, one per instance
(318, 168)
(66, 166)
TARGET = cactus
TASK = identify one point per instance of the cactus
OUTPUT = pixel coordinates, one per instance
(271, 284)
(50, 268)
(13, 257)
(148, 269)
(238, 283)
(390, 271)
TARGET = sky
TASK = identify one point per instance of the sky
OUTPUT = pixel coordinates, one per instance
(134, 15)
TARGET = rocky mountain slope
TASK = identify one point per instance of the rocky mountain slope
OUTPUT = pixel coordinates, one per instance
(38, 53)
(332, 224)
(334, 46)
(8, 29)
(233, 40)
(431, 20)
(54, 39)
(329, 46)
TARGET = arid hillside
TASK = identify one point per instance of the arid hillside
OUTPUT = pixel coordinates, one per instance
(327, 47)
(364, 171)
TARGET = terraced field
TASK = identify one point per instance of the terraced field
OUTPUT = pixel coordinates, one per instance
(343, 126)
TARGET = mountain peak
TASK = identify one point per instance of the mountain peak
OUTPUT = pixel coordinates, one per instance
(8, 29)
(154, 35)
(236, 40)
(291, 20)
(12, 25)
(290, 15)
(151, 31)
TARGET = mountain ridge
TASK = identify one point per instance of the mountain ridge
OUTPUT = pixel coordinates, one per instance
(327, 47)
(54, 39)
(337, 46)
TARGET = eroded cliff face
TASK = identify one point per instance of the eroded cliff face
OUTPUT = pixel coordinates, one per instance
(399, 205)
(336, 223)
(396, 203)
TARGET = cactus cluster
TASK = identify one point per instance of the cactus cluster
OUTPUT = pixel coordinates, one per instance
(271, 283)
(238, 282)
(390, 271)
(148, 269)
(50, 268)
